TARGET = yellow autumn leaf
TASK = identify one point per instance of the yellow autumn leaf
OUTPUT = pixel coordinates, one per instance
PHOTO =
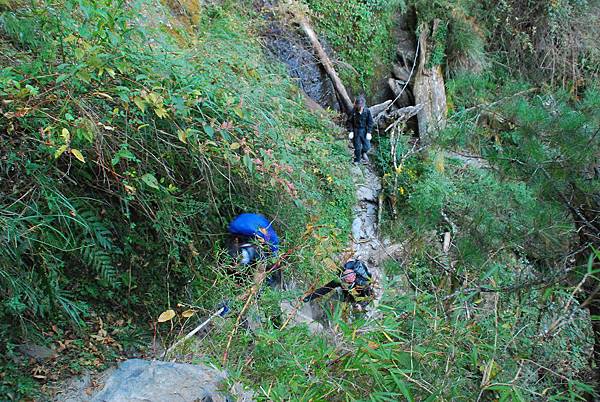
(160, 112)
(188, 313)
(77, 153)
(166, 316)
(439, 162)
(139, 102)
(60, 151)
(234, 145)
(65, 135)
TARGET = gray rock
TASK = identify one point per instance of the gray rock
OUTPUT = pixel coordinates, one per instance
(37, 352)
(400, 73)
(364, 193)
(302, 315)
(398, 88)
(149, 381)
(357, 228)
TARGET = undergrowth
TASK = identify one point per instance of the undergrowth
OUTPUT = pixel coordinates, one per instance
(127, 145)
(361, 32)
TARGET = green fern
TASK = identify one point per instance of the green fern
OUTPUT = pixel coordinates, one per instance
(101, 262)
(97, 229)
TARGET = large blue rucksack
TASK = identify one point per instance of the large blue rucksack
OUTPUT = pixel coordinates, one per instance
(251, 225)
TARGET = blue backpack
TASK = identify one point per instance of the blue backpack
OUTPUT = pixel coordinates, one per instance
(251, 225)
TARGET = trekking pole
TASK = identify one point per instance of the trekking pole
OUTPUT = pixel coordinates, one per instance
(221, 312)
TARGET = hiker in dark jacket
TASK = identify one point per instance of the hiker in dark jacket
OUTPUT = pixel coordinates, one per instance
(355, 282)
(360, 124)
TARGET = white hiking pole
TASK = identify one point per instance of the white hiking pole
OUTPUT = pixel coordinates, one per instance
(222, 311)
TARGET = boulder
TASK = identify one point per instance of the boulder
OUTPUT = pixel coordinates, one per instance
(302, 315)
(401, 73)
(37, 352)
(144, 380)
(397, 87)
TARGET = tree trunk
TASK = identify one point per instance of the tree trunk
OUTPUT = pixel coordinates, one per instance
(429, 91)
(327, 65)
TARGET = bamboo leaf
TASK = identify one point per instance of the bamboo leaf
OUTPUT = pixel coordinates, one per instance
(60, 151)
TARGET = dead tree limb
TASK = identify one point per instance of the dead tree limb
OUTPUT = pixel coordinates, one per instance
(398, 116)
(326, 63)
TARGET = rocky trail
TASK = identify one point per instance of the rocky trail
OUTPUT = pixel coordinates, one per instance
(366, 245)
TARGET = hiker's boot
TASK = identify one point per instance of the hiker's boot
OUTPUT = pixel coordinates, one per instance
(365, 158)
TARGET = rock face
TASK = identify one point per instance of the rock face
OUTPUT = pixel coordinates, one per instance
(143, 380)
(291, 48)
(303, 314)
(37, 352)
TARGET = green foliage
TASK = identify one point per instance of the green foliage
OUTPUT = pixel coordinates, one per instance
(361, 33)
(128, 148)
(399, 169)
(438, 51)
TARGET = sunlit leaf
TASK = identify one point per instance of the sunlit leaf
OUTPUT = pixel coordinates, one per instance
(77, 153)
(60, 151)
(161, 112)
(150, 180)
(139, 102)
(65, 135)
(188, 313)
(182, 135)
(166, 316)
(234, 145)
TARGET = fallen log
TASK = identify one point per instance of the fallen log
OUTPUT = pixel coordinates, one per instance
(327, 65)
(378, 108)
(397, 116)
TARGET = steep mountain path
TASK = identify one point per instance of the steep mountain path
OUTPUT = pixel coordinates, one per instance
(366, 243)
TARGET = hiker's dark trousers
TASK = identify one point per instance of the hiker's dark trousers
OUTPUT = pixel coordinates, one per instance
(361, 144)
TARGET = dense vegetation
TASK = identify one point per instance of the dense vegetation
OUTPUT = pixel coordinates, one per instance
(132, 132)
(126, 148)
(362, 34)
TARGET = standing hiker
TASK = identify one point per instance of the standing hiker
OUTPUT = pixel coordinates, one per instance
(360, 124)
(355, 282)
(253, 239)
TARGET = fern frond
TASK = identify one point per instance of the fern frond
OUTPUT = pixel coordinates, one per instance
(100, 261)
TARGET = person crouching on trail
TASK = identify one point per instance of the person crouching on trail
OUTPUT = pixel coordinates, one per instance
(253, 239)
(360, 124)
(355, 282)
